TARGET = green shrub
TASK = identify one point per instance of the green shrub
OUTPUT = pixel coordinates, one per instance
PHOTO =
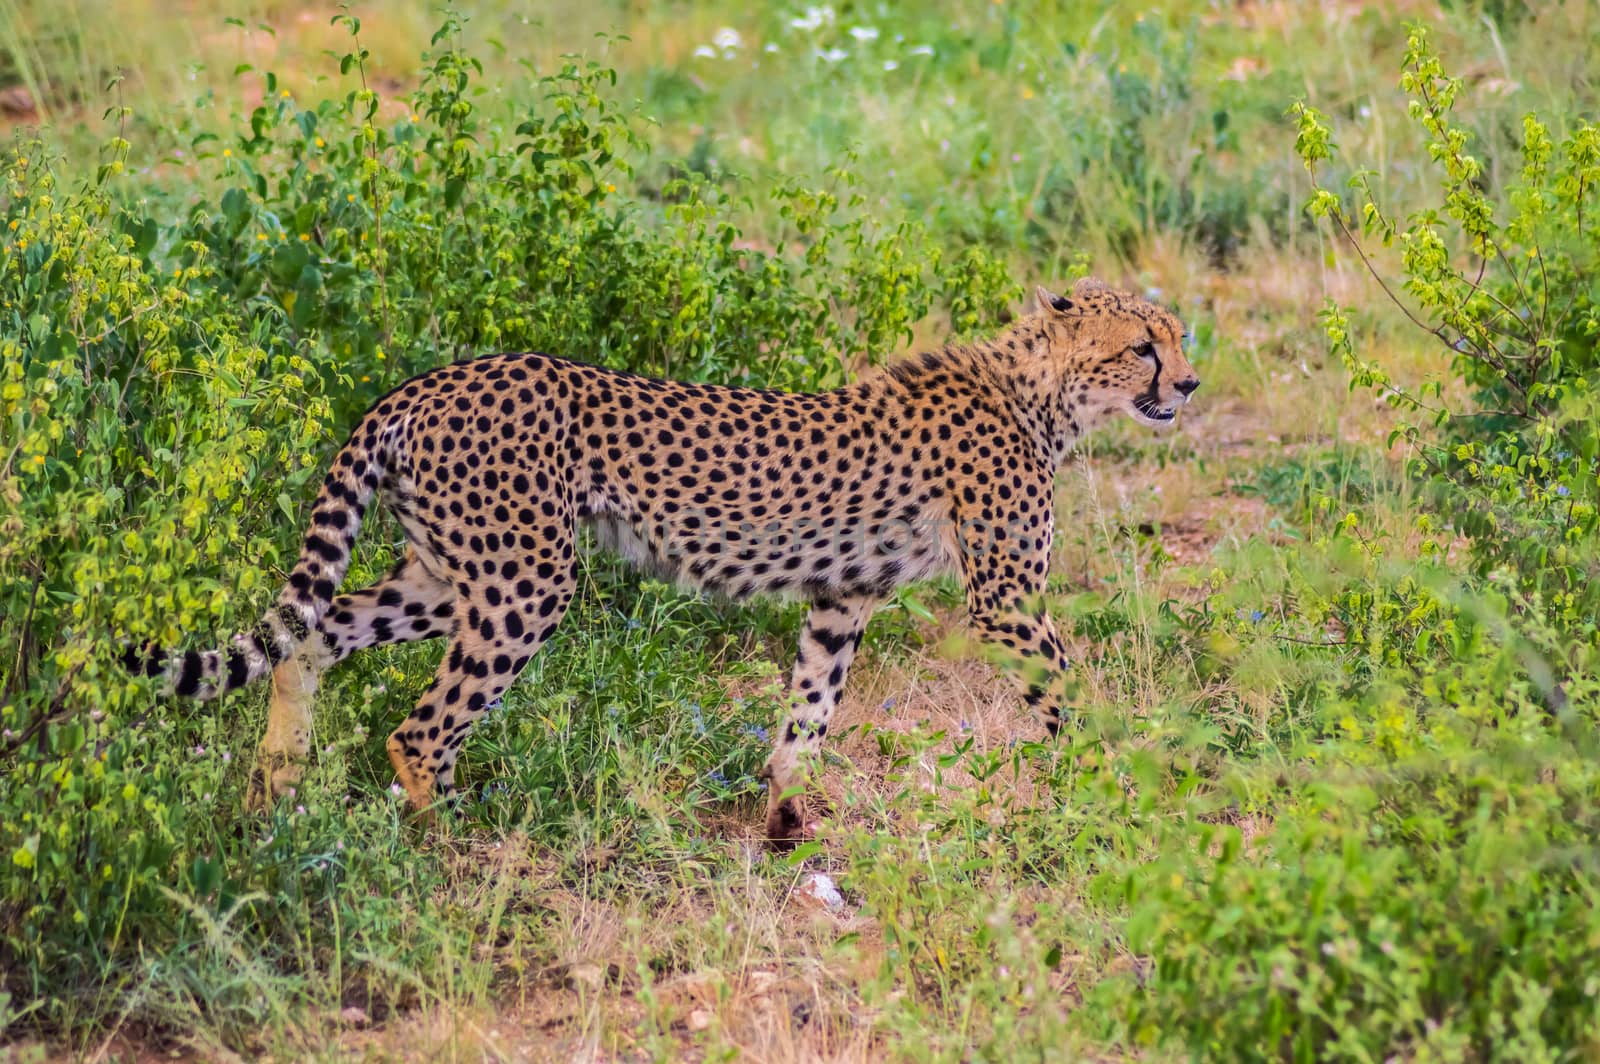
(1509, 284)
(1409, 869)
(1425, 884)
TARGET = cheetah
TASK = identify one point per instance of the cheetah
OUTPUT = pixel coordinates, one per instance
(944, 461)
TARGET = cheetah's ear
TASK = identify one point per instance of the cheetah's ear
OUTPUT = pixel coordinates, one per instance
(1048, 300)
(1088, 286)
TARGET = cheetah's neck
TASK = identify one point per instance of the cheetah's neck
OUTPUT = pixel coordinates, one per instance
(1011, 373)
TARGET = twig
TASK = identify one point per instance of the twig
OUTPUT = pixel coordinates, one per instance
(49, 716)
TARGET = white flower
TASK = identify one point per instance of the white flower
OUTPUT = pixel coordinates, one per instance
(814, 19)
(832, 55)
(727, 37)
(890, 64)
(770, 47)
(864, 33)
(705, 51)
(921, 49)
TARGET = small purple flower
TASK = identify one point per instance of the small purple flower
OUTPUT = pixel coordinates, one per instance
(1255, 616)
(718, 778)
(888, 703)
(758, 731)
(1563, 491)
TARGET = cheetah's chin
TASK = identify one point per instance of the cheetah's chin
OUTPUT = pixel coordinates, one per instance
(1154, 415)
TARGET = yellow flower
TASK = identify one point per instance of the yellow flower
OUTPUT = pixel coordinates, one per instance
(350, 197)
(413, 118)
(321, 143)
(13, 223)
(285, 94)
(38, 459)
(22, 245)
(261, 236)
(304, 237)
(366, 380)
(1027, 93)
(610, 187)
(227, 153)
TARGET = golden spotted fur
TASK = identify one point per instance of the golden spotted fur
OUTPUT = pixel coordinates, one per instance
(945, 461)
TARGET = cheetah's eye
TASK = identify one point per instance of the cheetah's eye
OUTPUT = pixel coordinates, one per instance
(1146, 351)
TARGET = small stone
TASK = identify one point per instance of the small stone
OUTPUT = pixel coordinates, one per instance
(699, 1019)
(818, 888)
(17, 101)
(589, 975)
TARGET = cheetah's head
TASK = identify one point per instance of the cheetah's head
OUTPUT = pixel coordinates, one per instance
(1119, 353)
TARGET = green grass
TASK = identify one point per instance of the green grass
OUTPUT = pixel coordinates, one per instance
(1320, 801)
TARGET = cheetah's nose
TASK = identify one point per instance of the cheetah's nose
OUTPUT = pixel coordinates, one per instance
(1187, 386)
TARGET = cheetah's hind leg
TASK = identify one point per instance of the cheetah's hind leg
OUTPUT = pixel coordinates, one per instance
(280, 758)
(409, 604)
(499, 625)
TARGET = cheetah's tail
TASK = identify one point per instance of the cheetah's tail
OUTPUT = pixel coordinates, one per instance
(342, 502)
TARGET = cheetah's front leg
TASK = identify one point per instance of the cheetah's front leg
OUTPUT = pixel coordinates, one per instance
(832, 634)
(1004, 561)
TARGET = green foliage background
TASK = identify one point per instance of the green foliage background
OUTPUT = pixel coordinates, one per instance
(1398, 859)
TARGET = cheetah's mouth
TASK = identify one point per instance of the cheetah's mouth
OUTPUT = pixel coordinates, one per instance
(1152, 412)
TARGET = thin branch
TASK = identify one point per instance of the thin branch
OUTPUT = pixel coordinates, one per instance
(1372, 271)
(49, 716)
(1313, 642)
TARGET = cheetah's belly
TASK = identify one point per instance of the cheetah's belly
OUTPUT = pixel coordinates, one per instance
(810, 556)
